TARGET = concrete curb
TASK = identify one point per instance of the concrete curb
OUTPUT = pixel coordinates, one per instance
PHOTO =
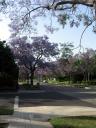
(16, 103)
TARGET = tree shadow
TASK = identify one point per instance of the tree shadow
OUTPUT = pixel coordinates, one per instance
(50, 102)
(22, 119)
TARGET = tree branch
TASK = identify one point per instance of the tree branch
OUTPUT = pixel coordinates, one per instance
(26, 66)
(37, 59)
(62, 9)
(83, 33)
(53, 2)
(80, 46)
(55, 5)
(73, 2)
(47, 7)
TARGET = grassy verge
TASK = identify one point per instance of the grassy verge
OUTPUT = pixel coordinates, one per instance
(74, 122)
(29, 87)
(5, 110)
(3, 125)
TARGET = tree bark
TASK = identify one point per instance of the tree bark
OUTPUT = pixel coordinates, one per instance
(32, 77)
(88, 76)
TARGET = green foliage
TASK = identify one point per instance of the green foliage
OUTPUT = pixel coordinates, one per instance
(5, 110)
(62, 19)
(7, 81)
(66, 50)
(77, 78)
(62, 78)
(29, 87)
(8, 68)
(74, 122)
(3, 125)
(78, 68)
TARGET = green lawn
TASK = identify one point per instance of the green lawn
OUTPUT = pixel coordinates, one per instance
(3, 125)
(74, 122)
(5, 110)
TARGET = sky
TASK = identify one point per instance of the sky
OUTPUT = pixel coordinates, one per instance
(62, 35)
(67, 34)
(4, 30)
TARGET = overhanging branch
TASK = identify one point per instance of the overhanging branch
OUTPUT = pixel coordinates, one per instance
(84, 32)
(55, 5)
(80, 43)
(34, 9)
(73, 2)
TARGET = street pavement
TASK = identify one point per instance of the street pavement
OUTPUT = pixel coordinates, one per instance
(34, 108)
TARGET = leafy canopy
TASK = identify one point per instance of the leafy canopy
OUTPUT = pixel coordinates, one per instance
(24, 13)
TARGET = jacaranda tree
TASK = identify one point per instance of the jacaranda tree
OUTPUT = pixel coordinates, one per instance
(33, 54)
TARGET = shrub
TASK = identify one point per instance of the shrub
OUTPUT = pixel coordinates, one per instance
(77, 78)
(8, 68)
(63, 78)
(7, 81)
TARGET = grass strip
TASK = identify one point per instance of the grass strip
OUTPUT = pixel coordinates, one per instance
(74, 122)
(5, 110)
(3, 125)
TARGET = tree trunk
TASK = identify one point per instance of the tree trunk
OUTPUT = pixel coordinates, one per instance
(88, 76)
(32, 77)
(69, 78)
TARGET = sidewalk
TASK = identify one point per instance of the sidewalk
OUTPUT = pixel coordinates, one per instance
(25, 120)
(21, 119)
(36, 116)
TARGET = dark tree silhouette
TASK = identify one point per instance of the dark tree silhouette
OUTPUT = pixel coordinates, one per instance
(8, 68)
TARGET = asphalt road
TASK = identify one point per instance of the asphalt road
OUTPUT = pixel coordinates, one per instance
(52, 93)
(38, 95)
